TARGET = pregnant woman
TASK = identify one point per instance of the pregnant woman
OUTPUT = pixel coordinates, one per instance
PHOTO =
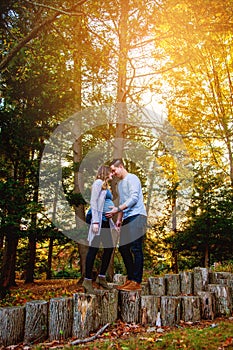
(100, 229)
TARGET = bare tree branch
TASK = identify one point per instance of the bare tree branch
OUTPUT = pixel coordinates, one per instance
(65, 12)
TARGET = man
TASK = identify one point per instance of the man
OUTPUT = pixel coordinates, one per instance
(132, 220)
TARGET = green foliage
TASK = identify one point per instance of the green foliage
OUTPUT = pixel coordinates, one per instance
(226, 266)
(208, 230)
(76, 199)
(67, 273)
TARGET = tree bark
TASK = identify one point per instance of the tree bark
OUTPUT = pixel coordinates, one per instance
(9, 259)
(186, 282)
(170, 310)
(150, 306)
(201, 279)
(107, 306)
(60, 318)
(223, 299)
(77, 147)
(85, 317)
(190, 308)
(12, 325)
(29, 277)
(172, 284)
(129, 304)
(157, 286)
(36, 322)
(50, 254)
(208, 305)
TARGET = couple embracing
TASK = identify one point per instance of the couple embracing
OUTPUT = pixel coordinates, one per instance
(130, 223)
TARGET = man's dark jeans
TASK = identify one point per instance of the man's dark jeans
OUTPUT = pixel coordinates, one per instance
(132, 249)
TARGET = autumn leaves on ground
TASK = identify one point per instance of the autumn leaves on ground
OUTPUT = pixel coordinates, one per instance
(209, 335)
(40, 290)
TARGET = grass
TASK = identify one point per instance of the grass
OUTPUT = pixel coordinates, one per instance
(218, 336)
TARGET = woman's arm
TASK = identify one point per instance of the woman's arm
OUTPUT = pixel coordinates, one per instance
(95, 194)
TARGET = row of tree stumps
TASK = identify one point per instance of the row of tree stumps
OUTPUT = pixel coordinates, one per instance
(164, 301)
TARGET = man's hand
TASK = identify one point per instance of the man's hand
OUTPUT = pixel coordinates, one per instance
(111, 213)
(118, 224)
(95, 228)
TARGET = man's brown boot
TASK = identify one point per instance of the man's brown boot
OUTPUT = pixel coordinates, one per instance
(132, 286)
(123, 285)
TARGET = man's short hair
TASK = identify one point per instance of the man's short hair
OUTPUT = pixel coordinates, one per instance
(117, 162)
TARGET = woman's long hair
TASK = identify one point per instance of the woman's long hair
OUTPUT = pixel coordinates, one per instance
(102, 174)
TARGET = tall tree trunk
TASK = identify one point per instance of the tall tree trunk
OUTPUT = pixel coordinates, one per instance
(122, 73)
(9, 259)
(29, 278)
(174, 229)
(118, 145)
(50, 254)
(77, 147)
(206, 255)
(29, 275)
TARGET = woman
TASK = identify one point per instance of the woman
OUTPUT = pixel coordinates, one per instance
(100, 229)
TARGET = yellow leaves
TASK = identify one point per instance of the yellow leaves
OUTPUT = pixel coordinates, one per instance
(169, 166)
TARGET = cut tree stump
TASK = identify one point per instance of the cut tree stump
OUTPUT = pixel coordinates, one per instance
(230, 284)
(129, 305)
(186, 282)
(145, 288)
(190, 308)
(223, 299)
(107, 302)
(120, 279)
(60, 318)
(85, 314)
(201, 279)
(11, 325)
(36, 322)
(220, 275)
(170, 310)
(157, 286)
(172, 282)
(150, 306)
(208, 305)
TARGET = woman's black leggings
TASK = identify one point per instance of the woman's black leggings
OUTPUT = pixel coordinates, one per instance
(105, 238)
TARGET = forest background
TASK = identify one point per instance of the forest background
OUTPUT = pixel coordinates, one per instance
(60, 57)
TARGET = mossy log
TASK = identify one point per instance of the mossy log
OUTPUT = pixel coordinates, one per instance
(11, 325)
(60, 318)
(36, 322)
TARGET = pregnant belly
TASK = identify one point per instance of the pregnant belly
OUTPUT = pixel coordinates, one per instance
(108, 203)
